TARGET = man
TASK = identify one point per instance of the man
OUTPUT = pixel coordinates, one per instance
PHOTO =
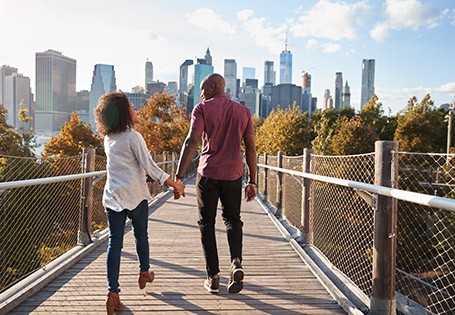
(222, 124)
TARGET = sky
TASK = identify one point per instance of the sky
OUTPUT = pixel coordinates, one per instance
(412, 41)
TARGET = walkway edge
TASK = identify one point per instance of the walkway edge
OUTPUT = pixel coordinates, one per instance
(339, 296)
(30, 285)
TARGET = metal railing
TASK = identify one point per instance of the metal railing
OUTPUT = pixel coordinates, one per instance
(43, 208)
(335, 212)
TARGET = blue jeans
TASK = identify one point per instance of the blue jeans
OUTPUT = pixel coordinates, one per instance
(116, 221)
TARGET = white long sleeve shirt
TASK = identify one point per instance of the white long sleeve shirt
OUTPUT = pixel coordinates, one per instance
(128, 161)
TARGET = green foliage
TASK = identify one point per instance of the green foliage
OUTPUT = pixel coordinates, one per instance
(74, 137)
(421, 127)
(373, 114)
(354, 137)
(284, 130)
(325, 129)
(12, 142)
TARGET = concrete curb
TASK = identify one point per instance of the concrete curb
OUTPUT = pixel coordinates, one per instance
(339, 296)
(30, 285)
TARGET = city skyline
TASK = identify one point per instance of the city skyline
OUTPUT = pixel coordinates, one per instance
(410, 40)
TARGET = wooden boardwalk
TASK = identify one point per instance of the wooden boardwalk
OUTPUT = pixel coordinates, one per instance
(276, 279)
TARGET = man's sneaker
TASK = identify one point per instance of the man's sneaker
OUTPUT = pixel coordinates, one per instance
(235, 284)
(212, 284)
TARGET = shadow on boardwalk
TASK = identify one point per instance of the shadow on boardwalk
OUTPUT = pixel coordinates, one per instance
(276, 280)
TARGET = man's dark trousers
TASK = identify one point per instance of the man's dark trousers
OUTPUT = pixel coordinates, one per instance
(229, 192)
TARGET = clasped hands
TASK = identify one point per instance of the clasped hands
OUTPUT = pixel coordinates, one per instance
(179, 190)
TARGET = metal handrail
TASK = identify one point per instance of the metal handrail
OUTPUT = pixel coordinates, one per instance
(56, 179)
(419, 198)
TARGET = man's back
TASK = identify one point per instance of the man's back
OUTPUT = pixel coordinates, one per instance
(224, 123)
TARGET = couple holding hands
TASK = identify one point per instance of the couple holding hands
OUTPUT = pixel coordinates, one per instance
(222, 124)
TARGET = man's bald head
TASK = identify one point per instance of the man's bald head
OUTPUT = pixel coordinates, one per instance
(212, 85)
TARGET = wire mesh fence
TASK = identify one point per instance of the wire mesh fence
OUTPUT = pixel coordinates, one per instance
(342, 221)
(292, 191)
(38, 223)
(426, 236)
(41, 222)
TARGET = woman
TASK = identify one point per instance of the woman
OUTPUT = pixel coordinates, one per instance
(125, 192)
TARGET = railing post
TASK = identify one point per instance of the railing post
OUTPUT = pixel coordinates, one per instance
(88, 165)
(264, 193)
(383, 300)
(165, 166)
(307, 212)
(279, 186)
(257, 174)
(174, 165)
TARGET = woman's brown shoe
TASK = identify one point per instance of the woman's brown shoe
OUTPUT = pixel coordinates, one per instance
(145, 277)
(113, 303)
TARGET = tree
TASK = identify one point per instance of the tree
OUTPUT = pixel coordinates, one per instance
(325, 128)
(12, 142)
(74, 137)
(163, 123)
(354, 137)
(373, 114)
(284, 130)
(421, 127)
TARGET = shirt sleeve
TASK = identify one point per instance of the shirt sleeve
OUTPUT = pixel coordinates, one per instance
(197, 118)
(249, 126)
(145, 160)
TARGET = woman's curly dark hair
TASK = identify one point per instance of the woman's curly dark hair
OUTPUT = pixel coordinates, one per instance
(112, 114)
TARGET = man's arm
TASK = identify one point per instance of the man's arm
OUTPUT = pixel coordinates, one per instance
(251, 161)
(187, 153)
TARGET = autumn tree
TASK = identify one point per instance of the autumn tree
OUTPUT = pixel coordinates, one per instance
(421, 127)
(163, 123)
(354, 137)
(74, 137)
(284, 130)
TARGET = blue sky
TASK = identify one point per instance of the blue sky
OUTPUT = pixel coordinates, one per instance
(412, 41)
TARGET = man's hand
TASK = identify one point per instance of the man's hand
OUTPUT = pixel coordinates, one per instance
(250, 192)
(179, 190)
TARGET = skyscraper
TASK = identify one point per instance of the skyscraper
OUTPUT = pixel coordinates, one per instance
(208, 57)
(55, 90)
(338, 91)
(103, 81)
(367, 81)
(4, 72)
(148, 73)
(286, 65)
(269, 72)
(327, 101)
(230, 75)
(285, 95)
(248, 73)
(16, 89)
(183, 78)
(200, 72)
(346, 95)
(306, 94)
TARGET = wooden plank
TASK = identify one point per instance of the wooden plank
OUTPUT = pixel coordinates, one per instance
(276, 279)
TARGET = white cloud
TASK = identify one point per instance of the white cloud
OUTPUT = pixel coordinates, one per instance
(402, 14)
(311, 43)
(332, 20)
(263, 34)
(243, 15)
(406, 93)
(207, 19)
(331, 47)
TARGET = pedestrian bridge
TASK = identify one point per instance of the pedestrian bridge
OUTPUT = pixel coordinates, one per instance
(325, 236)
